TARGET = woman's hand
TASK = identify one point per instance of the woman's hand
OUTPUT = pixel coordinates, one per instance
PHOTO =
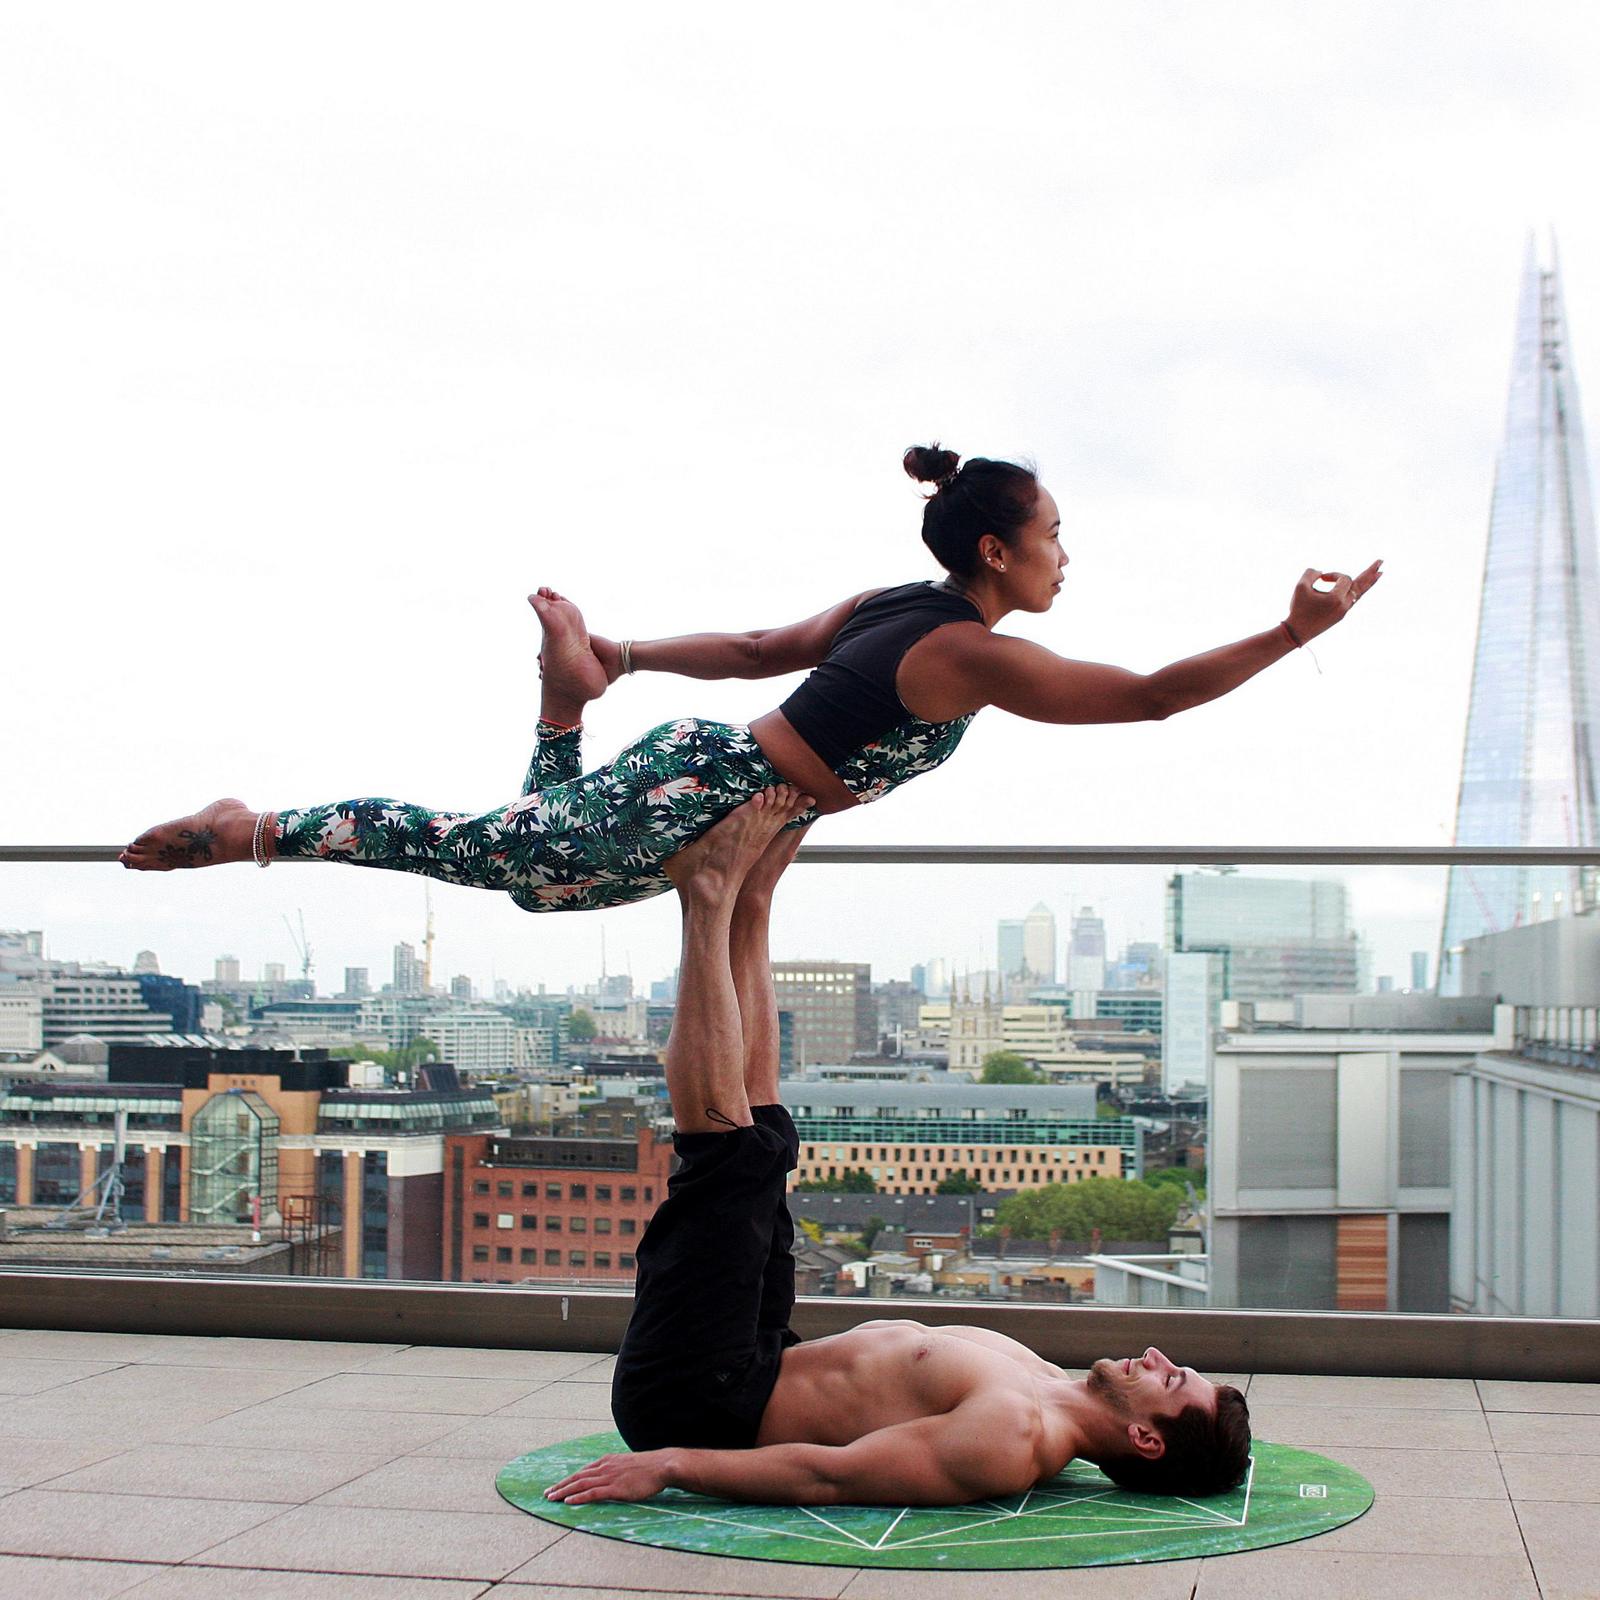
(620, 1477)
(1313, 611)
(609, 654)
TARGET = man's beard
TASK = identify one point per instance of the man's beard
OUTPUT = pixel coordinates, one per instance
(1104, 1387)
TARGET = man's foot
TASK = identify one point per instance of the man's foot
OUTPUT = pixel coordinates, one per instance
(717, 863)
(571, 671)
(221, 831)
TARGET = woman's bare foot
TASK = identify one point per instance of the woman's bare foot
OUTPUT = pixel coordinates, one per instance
(219, 832)
(717, 863)
(572, 672)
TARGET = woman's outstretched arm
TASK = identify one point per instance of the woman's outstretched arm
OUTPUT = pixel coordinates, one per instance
(760, 653)
(1033, 682)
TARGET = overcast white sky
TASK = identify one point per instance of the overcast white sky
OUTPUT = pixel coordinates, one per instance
(330, 332)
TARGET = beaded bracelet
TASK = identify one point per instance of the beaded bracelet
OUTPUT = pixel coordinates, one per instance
(258, 840)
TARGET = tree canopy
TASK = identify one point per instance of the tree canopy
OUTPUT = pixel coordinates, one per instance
(1006, 1066)
(960, 1181)
(581, 1027)
(1121, 1208)
(853, 1180)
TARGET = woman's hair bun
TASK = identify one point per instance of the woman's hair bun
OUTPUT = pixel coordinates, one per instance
(927, 463)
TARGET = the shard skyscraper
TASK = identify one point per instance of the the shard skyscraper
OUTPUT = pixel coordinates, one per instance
(1528, 773)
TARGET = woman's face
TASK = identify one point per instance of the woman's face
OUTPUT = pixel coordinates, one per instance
(1035, 562)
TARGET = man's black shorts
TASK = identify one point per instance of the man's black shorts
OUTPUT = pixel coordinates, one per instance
(714, 1292)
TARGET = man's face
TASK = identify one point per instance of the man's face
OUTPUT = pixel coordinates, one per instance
(1142, 1387)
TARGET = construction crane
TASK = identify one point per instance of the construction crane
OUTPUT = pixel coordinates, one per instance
(300, 943)
(427, 945)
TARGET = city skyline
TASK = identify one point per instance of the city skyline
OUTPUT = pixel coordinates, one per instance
(1242, 333)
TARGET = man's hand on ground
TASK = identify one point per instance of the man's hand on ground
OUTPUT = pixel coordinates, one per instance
(620, 1477)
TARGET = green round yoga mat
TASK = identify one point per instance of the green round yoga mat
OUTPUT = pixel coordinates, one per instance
(1079, 1519)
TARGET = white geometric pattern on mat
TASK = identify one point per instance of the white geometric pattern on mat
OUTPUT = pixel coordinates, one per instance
(1097, 1511)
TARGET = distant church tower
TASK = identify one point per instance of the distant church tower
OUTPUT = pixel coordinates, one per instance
(1528, 771)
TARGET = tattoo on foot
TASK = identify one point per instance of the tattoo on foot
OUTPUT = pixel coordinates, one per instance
(198, 848)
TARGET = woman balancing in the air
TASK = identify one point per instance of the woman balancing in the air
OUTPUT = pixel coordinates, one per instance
(897, 675)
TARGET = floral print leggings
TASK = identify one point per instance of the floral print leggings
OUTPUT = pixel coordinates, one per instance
(575, 841)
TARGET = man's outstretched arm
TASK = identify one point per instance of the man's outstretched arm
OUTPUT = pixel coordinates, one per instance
(973, 1451)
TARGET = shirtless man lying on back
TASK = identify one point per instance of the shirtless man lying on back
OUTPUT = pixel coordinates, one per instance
(714, 1392)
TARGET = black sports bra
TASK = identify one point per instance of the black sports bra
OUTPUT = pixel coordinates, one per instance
(850, 699)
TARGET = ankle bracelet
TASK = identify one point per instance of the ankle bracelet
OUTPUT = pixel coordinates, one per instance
(258, 840)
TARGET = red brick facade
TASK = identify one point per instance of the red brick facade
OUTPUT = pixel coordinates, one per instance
(521, 1209)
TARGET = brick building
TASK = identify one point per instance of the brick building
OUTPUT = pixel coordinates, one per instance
(521, 1208)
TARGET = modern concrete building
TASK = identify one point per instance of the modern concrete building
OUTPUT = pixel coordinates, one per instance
(21, 1018)
(1525, 1219)
(222, 1136)
(831, 1002)
(1044, 1035)
(475, 1040)
(911, 1137)
(107, 1007)
(1328, 1153)
(1277, 937)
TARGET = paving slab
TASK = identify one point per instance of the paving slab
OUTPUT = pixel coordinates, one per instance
(424, 1544)
(63, 1344)
(1454, 1474)
(445, 1361)
(426, 1483)
(1397, 1525)
(30, 1374)
(1569, 1479)
(1161, 1580)
(1564, 1546)
(374, 1391)
(1554, 1431)
(1326, 1428)
(122, 1527)
(586, 1560)
(215, 1472)
(1421, 1394)
(46, 1578)
(599, 1371)
(586, 1401)
(56, 1412)
(274, 1425)
(241, 1583)
(267, 1355)
(140, 1383)
(1581, 1399)
(24, 1462)
(1305, 1570)
(503, 1439)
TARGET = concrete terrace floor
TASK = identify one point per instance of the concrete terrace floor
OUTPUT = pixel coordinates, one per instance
(171, 1468)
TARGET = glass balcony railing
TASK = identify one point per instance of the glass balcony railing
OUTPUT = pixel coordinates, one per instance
(1219, 1078)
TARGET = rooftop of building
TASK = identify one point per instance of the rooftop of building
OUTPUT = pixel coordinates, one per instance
(161, 1467)
(27, 1238)
(1068, 1100)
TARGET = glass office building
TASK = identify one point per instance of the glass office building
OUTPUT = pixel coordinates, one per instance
(1527, 773)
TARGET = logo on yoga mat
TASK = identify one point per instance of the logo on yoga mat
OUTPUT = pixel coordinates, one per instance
(1079, 1519)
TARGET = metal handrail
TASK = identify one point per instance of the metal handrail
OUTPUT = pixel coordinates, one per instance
(1114, 855)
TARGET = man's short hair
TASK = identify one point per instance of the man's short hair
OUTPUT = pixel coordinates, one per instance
(1207, 1452)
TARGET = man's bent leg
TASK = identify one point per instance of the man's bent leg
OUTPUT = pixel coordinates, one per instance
(758, 1013)
(751, 959)
(706, 1053)
(695, 1367)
